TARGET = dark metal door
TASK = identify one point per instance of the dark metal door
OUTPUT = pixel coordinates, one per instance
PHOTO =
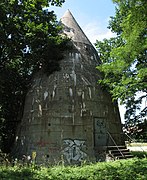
(100, 132)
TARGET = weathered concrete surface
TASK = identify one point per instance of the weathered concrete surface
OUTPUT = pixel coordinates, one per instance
(67, 116)
(137, 148)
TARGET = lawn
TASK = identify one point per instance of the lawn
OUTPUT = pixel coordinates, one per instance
(131, 169)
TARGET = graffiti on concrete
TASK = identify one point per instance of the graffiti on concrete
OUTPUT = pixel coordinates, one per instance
(74, 150)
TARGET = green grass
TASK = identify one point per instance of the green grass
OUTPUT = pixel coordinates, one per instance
(139, 154)
(132, 169)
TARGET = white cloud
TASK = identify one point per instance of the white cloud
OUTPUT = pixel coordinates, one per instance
(94, 31)
(107, 34)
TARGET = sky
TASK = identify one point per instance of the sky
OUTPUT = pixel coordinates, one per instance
(93, 17)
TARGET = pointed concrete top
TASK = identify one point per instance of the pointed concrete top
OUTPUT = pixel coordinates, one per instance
(72, 29)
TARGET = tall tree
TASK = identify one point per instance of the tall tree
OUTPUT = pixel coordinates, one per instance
(29, 36)
(124, 58)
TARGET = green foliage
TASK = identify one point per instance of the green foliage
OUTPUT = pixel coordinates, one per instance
(125, 57)
(137, 132)
(133, 169)
(29, 35)
(139, 154)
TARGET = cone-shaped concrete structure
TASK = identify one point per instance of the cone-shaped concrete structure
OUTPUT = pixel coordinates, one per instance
(73, 30)
(67, 115)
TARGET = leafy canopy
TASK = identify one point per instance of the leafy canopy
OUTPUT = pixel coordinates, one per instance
(124, 58)
(29, 36)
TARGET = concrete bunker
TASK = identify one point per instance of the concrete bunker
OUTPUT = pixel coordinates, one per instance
(67, 115)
